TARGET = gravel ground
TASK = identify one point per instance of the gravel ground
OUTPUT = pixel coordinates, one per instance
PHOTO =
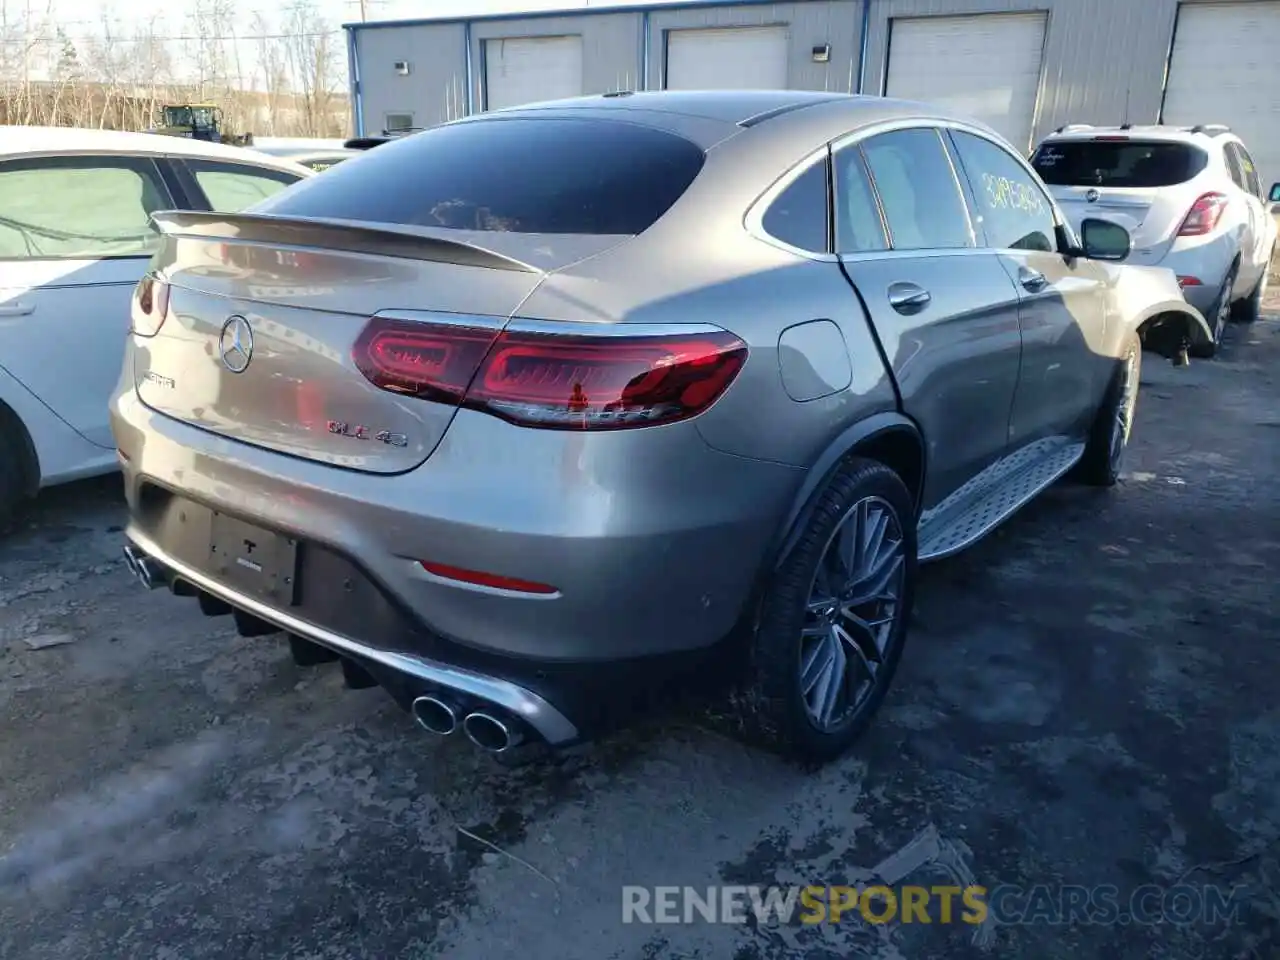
(1088, 699)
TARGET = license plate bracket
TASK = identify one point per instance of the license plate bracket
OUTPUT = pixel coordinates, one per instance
(259, 562)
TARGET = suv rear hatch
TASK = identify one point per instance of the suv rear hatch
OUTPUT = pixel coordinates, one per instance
(343, 319)
(1122, 179)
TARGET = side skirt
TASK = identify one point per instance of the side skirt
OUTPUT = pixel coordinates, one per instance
(994, 496)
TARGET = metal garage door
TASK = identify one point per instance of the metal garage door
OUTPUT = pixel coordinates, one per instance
(529, 69)
(987, 66)
(738, 58)
(1225, 68)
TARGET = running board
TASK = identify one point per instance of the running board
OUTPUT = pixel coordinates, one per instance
(967, 518)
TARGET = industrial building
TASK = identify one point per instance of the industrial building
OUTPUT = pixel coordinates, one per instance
(1023, 66)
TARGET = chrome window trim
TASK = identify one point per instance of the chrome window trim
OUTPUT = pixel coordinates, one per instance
(753, 222)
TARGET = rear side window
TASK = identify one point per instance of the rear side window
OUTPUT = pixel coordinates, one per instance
(79, 208)
(519, 175)
(1117, 163)
(232, 187)
(799, 214)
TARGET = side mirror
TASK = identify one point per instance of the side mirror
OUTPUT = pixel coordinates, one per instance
(1104, 240)
(1275, 193)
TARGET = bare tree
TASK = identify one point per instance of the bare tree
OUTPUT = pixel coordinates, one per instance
(312, 57)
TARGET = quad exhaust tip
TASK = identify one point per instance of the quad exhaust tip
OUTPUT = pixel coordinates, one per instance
(490, 733)
(434, 716)
(145, 569)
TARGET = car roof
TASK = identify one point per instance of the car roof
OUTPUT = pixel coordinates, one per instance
(1202, 134)
(709, 116)
(16, 141)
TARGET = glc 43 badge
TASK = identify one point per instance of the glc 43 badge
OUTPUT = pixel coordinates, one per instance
(359, 432)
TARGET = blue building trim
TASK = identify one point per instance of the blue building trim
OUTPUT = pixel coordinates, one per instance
(644, 50)
(863, 40)
(353, 71)
(549, 14)
(469, 69)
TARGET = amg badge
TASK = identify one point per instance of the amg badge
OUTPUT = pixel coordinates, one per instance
(359, 432)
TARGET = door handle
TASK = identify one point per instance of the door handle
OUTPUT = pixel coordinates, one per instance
(16, 309)
(908, 297)
(1032, 279)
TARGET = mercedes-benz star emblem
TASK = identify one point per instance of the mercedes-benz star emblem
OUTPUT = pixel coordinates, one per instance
(1091, 195)
(235, 346)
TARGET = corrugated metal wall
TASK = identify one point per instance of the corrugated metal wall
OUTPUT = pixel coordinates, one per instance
(610, 47)
(435, 89)
(1104, 60)
(1098, 54)
(810, 23)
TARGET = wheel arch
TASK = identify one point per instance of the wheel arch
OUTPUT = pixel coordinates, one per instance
(1164, 327)
(11, 425)
(890, 438)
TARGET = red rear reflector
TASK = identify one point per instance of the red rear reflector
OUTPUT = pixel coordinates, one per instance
(1188, 281)
(486, 579)
(150, 306)
(1203, 216)
(560, 381)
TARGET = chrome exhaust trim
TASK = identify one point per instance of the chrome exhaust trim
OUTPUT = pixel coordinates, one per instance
(551, 725)
(144, 569)
(434, 716)
(489, 733)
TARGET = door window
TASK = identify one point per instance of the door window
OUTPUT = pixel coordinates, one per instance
(79, 208)
(798, 215)
(859, 226)
(233, 187)
(918, 192)
(1014, 210)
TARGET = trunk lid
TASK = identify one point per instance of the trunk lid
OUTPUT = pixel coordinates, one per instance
(263, 315)
(1127, 207)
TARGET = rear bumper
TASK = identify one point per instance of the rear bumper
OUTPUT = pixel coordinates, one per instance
(652, 540)
(1206, 261)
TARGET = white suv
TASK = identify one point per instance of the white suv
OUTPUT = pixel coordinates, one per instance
(1190, 198)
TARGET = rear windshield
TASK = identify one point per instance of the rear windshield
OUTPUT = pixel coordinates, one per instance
(519, 175)
(1130, 163)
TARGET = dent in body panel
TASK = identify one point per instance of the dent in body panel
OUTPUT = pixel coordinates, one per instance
(814, 360)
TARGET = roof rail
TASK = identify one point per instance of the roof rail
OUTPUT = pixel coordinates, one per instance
(1068, 127)
(1211, 129)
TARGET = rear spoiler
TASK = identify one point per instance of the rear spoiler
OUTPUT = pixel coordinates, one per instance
(348, 236)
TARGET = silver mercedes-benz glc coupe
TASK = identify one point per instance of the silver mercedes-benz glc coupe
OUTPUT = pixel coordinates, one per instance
(528, 416)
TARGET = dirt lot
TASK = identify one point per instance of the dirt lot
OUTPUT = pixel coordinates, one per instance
(1089, 698)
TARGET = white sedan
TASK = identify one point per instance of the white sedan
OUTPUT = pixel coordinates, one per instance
(75, 239)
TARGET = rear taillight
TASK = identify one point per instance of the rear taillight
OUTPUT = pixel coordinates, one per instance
(1203, 216)
(150, 306)
(552, 378)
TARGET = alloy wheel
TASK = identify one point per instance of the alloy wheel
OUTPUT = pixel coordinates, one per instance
(854, 602)
(1122, 423)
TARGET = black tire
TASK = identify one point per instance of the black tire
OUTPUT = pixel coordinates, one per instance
(1218, 316)
(13, 454)
(1250, 309)
(771, 705)
(1102, 461)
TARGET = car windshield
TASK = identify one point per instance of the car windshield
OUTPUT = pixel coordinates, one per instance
(1117, 163)
(520, 175)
